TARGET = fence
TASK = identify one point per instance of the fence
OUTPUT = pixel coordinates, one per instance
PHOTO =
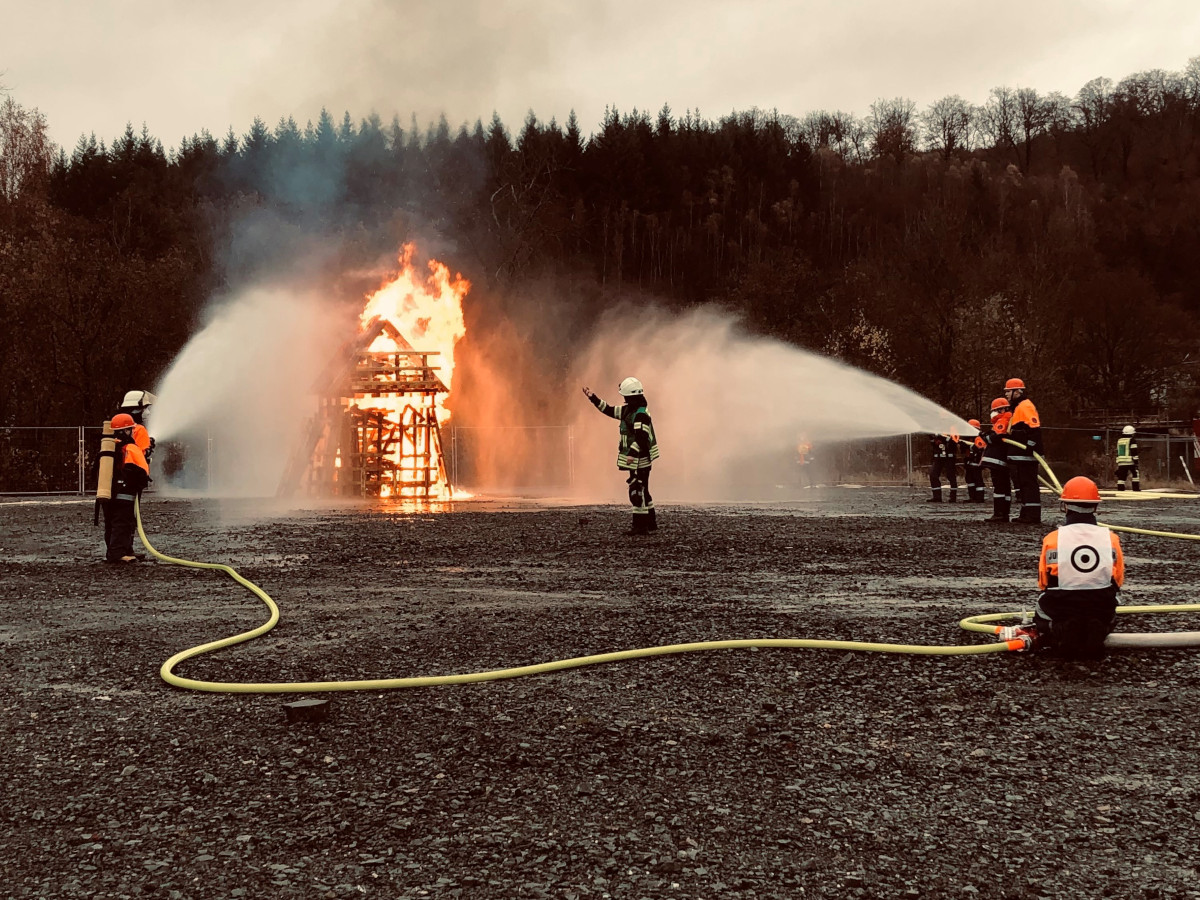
(53, 460)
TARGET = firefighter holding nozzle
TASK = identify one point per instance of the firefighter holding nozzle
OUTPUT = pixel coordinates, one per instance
(1025, 435)
(637, 450)
(129, 474)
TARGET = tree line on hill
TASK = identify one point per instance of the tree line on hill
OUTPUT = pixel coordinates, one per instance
(947, 248)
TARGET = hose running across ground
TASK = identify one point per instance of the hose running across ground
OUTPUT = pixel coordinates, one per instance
(168, 675)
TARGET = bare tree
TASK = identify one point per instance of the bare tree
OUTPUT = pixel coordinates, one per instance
(1093, 109)
(893, 128)
(947, 124)
(25, 150)
(998, 119)
(1034, 114)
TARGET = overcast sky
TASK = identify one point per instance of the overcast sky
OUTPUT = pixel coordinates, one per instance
(183, 65)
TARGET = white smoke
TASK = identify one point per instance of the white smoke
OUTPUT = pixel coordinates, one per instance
(722, 400)
(241, 392)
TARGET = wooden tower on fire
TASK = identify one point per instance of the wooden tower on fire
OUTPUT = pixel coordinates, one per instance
(376, 432)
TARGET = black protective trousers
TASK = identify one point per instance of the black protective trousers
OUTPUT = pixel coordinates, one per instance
(119, 523)
(1025, 482)
(974, 476)
(1130, 472)
(943, 465)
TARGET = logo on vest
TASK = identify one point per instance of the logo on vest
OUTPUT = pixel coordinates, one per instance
(1084, 558)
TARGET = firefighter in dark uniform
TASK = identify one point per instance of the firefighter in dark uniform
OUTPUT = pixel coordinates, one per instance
(973, 464)
(944, 448)
(1080, 575)
(637, 450)
(131, 472)
(1127, 459)
(995, 457)
(1025, 430)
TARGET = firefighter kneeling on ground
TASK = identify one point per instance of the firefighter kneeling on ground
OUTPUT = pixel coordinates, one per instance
(130, 475)
(1127, 459)
(1025, 428)
(1080, 575)
(995, 457)
(637, 451)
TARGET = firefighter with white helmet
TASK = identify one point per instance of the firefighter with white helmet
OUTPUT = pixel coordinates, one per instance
(637, 450)
(1127, 459)
(1080, 574)
(135, 403)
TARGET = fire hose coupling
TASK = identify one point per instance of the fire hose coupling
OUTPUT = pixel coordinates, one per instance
(1018, 637)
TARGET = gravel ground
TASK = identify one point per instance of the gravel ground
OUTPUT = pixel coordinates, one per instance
(732, 774)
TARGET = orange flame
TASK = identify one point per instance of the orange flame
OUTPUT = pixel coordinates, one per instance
(427, 311)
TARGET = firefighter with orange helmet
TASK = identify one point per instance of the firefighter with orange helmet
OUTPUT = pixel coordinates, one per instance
(1080, 574)
(1024, 428)
(637, 451)
(131, 472)
(973, 464)
(995, 457)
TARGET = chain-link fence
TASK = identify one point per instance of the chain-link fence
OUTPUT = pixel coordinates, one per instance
(48, 460)
(62, 460)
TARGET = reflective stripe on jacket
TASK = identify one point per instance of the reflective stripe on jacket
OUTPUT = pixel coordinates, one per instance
(638, 447)
(1127, 451)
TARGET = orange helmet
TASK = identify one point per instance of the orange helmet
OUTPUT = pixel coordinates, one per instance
(999, 403)
(974, 423)
(1014, 384)
(1080, 489)
(122, 420)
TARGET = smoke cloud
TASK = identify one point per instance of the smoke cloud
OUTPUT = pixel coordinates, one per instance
(723, 401)
(240, 393)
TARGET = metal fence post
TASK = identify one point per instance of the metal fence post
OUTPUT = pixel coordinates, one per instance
(82, 462)
(908, 459)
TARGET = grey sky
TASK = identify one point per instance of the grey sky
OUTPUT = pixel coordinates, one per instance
(183, 65)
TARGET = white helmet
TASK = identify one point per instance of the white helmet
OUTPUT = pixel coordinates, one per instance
(137, 400)
(1128, 429)
(631, 387)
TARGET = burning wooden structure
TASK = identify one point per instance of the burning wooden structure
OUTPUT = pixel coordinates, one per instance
(376, 431)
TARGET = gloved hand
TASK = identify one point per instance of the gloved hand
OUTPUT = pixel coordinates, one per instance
(150, 451)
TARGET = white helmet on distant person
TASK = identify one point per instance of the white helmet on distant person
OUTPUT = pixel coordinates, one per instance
(137, 400)
(631, 387)
(1128, 429)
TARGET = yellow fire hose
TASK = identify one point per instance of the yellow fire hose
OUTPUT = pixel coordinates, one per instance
(379, 684)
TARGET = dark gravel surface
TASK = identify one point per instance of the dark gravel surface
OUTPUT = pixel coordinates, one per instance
(732, 774)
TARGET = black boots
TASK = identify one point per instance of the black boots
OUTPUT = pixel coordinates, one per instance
(937, 496)
(1000, 510)
(953, 495)
(652, 525)
(1030, 514)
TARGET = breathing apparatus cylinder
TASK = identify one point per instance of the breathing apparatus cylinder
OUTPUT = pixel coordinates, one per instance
(108, 453)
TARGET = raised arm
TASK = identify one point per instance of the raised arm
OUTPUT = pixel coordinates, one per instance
(606, 408)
